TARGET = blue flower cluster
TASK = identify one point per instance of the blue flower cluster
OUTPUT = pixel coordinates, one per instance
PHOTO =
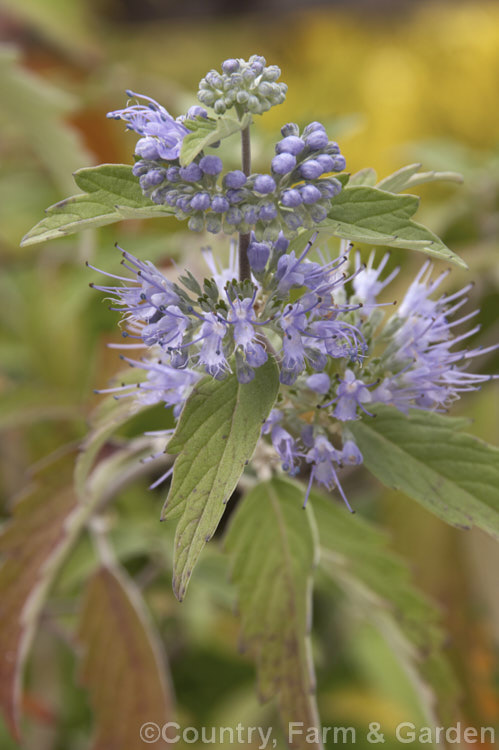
(297, 192)
(228, 325)
(321, 322)
(248, 86)
(420, 367)
(339, 354)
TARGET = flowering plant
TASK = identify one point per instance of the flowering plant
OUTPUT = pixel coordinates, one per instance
(292, 359)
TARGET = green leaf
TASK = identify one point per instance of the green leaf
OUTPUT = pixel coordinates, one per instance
(272, 545)
(123, 663)
(355, 554)
(112, 193)
(365, 176)
(409, 177)
(207, 131)
(216, 435)
(367, 214)
(453, 474)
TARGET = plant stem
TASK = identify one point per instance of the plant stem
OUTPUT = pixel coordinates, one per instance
(244, 266)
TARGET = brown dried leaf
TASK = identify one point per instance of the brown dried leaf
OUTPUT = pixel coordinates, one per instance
(32, 545)
(123, 665)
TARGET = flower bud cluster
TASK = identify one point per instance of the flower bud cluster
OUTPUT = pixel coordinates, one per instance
(296, 193)
(248, 86)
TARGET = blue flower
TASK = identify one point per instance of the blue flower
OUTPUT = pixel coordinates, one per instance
(211, 354)
(162, 134)
(323, 456)
(420, 368)
(163, 384)
(366, 281)
(284, 443)
(168, 331)
(350, 394)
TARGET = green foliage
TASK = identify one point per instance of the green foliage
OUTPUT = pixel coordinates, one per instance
(377, 217)
(272, 546)
(206, 131)
(33, 110)
(112, 193)
(216, 435)
(132, 673)
(355, 554)
(365, 176)
(410, 176)
(454, 475)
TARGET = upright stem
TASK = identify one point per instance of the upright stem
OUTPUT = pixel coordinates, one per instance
(244, 266)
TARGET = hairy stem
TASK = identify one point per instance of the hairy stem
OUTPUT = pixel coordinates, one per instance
(244, 266)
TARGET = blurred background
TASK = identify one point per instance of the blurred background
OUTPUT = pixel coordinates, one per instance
(395, 82)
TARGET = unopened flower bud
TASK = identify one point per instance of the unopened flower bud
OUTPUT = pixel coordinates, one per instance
(191, 173)
(317, 140)
(291, 144)
(291, 128)
(235, 179)
(291, 198)
(220, 204)
(201, 201)
(213, 223)
(147, 148)
(264, 184)
(310, 194)
(196, 224)
(267, 212)
(211, 164)
(311, 169)
(258, 255)
(283, 163)
(230, 66)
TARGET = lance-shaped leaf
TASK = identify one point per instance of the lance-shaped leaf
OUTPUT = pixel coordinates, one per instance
(112, 193)
(206, 131)
(216, 435)
(410, 176)
(272, 547)
(377, 217)
(355, 554)
(451, 473)
(33, 545)
(123, 665)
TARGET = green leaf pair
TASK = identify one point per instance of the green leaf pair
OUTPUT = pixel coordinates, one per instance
(360, 212)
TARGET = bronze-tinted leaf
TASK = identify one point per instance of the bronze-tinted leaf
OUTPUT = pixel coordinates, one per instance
(123, 665)
(32, 545)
